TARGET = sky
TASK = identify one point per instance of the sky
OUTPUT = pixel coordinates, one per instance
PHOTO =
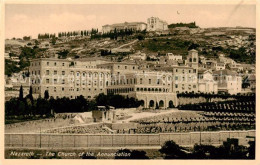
(32, 19)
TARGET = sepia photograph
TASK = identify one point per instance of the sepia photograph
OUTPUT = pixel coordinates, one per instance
(130, 81)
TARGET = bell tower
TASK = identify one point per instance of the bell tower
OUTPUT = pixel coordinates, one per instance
(193, 59)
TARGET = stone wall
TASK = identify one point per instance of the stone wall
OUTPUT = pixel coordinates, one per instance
(121, 140)
(195, 100)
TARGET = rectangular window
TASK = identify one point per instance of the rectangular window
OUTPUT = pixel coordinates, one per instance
(176, 85)
(47, 81)
(55, 63)
(54, 89)
(150, 81)
(63, 64)
(47, 63)
(63, 81)
(176, 77)
(141, 81)
(125, 67)
(55, 81)
(63, 72)
(47, 72)
(55, 72)
(62, 89)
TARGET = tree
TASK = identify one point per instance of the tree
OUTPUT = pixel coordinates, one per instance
(193, 46)
(85, 156)
(138, 155)
(53, 40)
(172, 150)
(46, 95)
(140, 37)
(30, 96)
(251, 150)
(128, 154)
(21, 93)
(36, 42)
(123, 154)
(63, 54)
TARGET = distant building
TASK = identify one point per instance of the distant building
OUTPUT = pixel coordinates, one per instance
(156, 24)
(228, 81)
(7, 56)
(185, 79)
(218, 65)
(170, 56)
(138, 56)
(252, 81)
(121, 26)
(171, 59)
(206, 83)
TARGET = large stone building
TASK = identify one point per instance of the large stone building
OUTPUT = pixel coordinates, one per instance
(153, 86)
(66, 78)
(72, 78)
(156, 24)
(127, 25)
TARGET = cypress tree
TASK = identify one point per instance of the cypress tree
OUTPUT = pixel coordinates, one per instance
(21, 93)
(46, 95)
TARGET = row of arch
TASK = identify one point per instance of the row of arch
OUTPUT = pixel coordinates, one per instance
(160, 104)
(89, 74)
(120, 90)
(153, 89)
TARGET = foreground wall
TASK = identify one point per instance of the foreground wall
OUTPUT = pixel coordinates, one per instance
(122, 140)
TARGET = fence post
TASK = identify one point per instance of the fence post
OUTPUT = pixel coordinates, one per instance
(190, 138)
(160, 139)
(100, 141)
(22, 139)
(62, 141)
(219, 137)
(112, 140)
(125, 140)
(87, 140)
(49, 137)
(181, 138)
(74, 140)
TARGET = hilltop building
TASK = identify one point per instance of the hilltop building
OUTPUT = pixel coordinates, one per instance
(122, 26)
(156, 24)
